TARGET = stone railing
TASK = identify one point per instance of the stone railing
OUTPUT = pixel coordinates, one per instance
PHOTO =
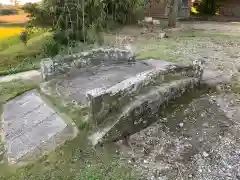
(50, 67)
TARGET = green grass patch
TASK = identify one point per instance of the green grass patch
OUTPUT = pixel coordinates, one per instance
(19, 57)
(12, 89)
(155, 50)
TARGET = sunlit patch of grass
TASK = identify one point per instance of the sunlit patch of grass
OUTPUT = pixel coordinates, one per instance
(12, 89)
(162, 50)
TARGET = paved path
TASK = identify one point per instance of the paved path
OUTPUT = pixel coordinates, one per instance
(33, 75)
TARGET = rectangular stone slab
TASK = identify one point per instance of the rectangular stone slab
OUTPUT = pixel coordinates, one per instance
(29, 122)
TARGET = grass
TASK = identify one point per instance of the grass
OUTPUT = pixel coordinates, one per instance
(155, 50)
(14, 55)
(75, 160)
(12, 89)
(19, 57)
(14, 38)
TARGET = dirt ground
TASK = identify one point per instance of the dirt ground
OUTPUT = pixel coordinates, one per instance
(215, 43)
(199, 140)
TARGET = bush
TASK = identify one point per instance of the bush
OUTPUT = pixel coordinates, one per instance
(51, 48)
(75, 21)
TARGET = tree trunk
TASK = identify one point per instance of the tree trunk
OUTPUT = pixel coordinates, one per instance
(172, 14)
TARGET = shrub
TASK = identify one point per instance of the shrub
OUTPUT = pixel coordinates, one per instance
(81, 21)
(50, 48)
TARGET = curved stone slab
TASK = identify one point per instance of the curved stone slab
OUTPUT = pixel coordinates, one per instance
(31, 127)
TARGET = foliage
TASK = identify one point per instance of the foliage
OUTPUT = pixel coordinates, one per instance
(24, 37)
(16, 57)
(77, 20)
(50, 48)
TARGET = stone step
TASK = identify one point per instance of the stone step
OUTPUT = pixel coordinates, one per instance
(105, 102)
(143, 111)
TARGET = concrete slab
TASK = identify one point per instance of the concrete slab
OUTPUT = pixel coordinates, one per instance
(29, 123)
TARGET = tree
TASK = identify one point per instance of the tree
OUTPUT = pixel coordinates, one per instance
(80, 20)
(172, 13)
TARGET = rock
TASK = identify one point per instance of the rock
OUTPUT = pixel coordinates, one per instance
(148, 19)
(145, 161)
(162, 35)
(205, 154)
(31, 127)
(156, 22)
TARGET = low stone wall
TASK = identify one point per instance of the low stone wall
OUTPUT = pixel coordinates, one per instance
(50, 67)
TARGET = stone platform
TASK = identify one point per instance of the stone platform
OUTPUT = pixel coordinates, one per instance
(117, 89)
(114, 92)
(31, 127)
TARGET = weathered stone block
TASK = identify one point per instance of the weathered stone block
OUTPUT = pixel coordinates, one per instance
(143, 111)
